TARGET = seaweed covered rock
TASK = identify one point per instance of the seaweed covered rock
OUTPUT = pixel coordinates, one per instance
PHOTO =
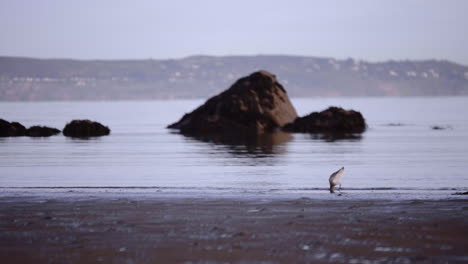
(85, 128)
(41, 131)
(13, 129)
(332, 120)
(256, 104)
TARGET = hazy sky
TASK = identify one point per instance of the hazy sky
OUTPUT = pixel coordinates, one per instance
(115, 29)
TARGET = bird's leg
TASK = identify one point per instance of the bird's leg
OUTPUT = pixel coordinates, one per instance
(331, 188)
(340, 188)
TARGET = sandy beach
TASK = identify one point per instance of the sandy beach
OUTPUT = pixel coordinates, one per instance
(165, 229)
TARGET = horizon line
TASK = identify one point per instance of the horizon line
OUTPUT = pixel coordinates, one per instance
(232, 55)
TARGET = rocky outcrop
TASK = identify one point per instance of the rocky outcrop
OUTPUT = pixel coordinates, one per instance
(256, 104)
(13, 129)
(41, 131)
(84, 129)
(334, 120)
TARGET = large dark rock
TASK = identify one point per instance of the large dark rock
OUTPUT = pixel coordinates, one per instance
(41, 131)
(334, 120)
(85, 128)
(13, 129)
(256, 104)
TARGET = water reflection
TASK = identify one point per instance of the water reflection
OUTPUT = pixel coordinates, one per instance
(332, 137)
(82, 139)
(264, 145)
(252, 145)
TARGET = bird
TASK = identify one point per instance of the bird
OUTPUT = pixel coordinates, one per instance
(335, 179)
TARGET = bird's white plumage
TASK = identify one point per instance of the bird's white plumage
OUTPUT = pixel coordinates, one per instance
(335, 178)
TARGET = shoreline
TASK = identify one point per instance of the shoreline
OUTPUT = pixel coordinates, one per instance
(144, 193)
(136, 227)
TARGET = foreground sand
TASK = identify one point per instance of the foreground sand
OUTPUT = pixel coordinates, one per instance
(158, 229)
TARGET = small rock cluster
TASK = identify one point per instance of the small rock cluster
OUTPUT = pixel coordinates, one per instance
(15, 129)
(76, 128)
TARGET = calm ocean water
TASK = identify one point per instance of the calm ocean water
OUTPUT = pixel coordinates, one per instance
(141, 152)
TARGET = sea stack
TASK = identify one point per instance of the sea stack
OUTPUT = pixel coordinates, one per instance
(256, 104)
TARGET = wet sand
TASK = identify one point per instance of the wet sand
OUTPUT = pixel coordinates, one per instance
(160, 229)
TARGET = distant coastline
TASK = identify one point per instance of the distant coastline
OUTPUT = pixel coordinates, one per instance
(29, 79)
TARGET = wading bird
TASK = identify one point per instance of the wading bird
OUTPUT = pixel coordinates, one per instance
(335, 179)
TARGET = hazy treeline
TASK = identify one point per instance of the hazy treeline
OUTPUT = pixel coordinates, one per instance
(201, 76)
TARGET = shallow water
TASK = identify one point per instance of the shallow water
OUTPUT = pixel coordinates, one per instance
(141, 152)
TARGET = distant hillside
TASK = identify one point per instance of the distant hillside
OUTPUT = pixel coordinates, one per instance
(203, 76)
